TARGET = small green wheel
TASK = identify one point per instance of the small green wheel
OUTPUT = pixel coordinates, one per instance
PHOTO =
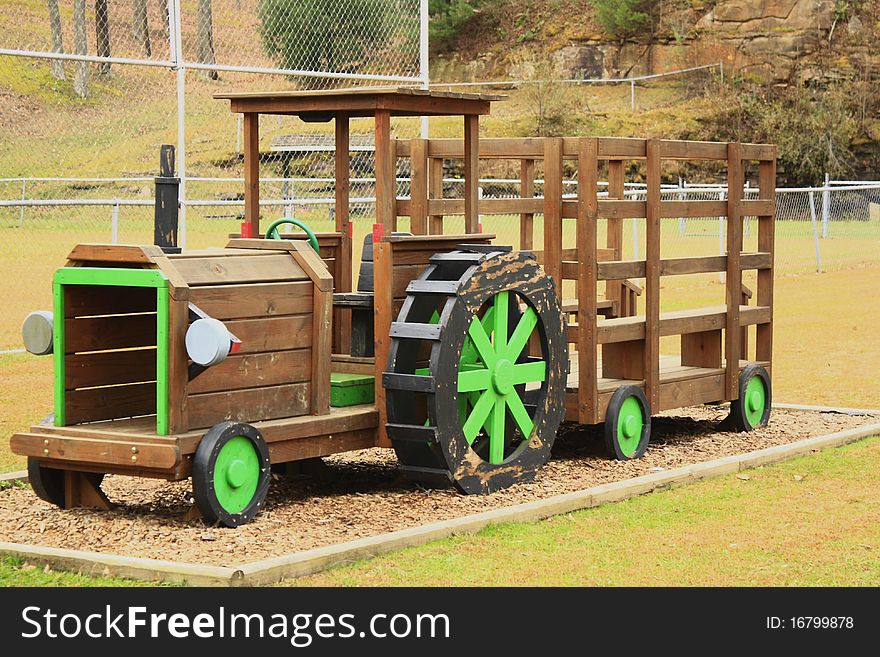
(627, 424)
(752, 409)
(48, 483)
(230, 473)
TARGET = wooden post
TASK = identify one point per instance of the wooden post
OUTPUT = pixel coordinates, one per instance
(435, 169)
(383, 308)
(553, 210)
(732, 336)
(766, 233)
(471, 173)
(419, 187)
(80, 492)
(343, 278)
(178, 375)
(587, 219)
(614, 233)
(652, 276)
(526, 190)
(386, 185)
(252, 172)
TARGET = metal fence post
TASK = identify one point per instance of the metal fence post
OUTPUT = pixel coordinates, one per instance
(23, 198)
(114, 223)
(826, 206)
(175, 36)
(815, 231)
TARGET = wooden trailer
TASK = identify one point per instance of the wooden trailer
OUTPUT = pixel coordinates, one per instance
(464, 356)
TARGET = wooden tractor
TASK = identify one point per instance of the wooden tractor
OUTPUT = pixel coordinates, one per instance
(458, 353)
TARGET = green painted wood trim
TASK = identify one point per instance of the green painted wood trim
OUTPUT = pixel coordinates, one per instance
(111, 276)
(58, 352)
(162, 317)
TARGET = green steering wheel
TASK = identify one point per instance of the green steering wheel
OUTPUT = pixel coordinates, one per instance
(272, 231)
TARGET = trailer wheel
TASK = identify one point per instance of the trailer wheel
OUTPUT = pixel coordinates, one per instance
(627, 424)
(48, 483)
(230, 474)
(752, 409)
(469, 402)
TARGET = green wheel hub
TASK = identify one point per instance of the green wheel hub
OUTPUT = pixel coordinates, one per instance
(755, 400)
(236, 474)
(630, 423)
(489, 375)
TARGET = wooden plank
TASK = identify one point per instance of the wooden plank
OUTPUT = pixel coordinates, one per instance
(106, 368)
(240, 269)
(418, 211)
(614, 227)
(67, 448)
(415, 242)
(386, 184)
(403, 275)
(692, 150)
(178, 361)
(383, 309)
(321, 351)
(317, 446)
(342, 273)
(435, 166)
(227, 302)
(105, 403)
(732, 339)
(92, 300)
(587, 243)
(691, 391)
(701, 349)
(762, 152)
(328, 241)
(691, 209)
(553, 209)
(679, 266)
(652, 274)
(621, 148)
(113, 332)
(250, 405)
(495, 148)
(618, 209)
(272, 333)
(757, 207)
(766, 243)
(624, 360)
(251, 128)
(353, 364)
(313, 266)
(116, 253)
(255, 371)
(526, 191)
(615, 271)
(471, 173)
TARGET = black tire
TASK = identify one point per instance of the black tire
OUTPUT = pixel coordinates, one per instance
(742, 417)
(48, 483)
(622, 449)
(426, 411)
(204, 468)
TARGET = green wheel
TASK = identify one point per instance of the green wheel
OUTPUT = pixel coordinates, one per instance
(627, 424)
(231, 472)
(475, 387)
(752, 409)
(272, 231)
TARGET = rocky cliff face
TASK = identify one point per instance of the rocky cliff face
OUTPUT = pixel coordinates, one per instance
(779, 41)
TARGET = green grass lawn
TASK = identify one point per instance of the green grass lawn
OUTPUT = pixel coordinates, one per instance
(16, 572)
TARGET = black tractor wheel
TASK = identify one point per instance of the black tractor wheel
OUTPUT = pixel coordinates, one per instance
(475, 386)
(627, 424)
(230, 473)
(48, 483)
(752, 409)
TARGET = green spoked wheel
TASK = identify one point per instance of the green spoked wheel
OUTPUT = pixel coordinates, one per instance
(752, 409)
(475, 386)
(231, 474)
(627, 424)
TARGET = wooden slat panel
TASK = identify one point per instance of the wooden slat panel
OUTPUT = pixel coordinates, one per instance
(85, 300)
(272, 333)
(258, 300)
(65, 448)
(249, 405)
(353, 364)
(678, 266)
(619, 148)
(620, 270)
(402, 276)
(758, 207)
(111, 402)
(691, 391)
(109, 368)
(693, 208)
(617, 209)
(99, 333)
(317, 446)
(240, 269)
(529, 147)
(764, 152)
(692, 150)
(115, 253)
(732, 340)
(255, 371)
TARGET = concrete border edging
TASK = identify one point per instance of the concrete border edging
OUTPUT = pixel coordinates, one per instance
(274, 569)
(13, 477)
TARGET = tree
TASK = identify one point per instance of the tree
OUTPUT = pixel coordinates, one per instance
(141, 26)
(313, 35)
(205, 36)
(102, 34)
(81, 72)
(447, 18)
(623, 18)
(57, 45)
